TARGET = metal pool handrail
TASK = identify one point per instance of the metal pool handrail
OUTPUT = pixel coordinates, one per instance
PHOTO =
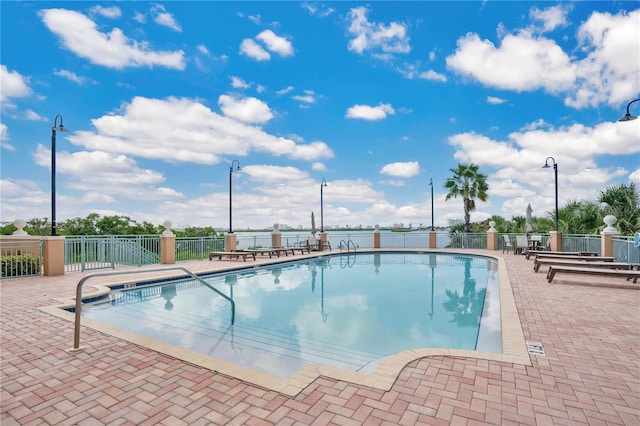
(76, 331)
(347, 244)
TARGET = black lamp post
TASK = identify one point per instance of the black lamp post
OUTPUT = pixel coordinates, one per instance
(54, 129)
(230, 174)
(431, 185)
(555, 171)
(322, 185)
(628, 116)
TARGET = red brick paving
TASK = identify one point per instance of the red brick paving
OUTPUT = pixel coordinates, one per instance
(590, 374)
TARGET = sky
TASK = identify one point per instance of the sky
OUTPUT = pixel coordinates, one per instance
(377, 99)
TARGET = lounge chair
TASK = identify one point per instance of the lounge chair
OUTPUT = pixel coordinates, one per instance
(536, 253)
(507, 244)
(579, 262)
(628, 274)
(268, 251)
(575, 257)
(232, 255)
(302, 249)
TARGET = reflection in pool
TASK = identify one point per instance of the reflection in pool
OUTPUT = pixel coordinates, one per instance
(347, 311)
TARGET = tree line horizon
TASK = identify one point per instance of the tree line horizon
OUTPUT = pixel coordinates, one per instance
(574, 217)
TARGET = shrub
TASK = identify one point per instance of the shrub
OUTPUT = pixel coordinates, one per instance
(21, 265)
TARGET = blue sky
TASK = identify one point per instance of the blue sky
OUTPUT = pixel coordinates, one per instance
(377, 98)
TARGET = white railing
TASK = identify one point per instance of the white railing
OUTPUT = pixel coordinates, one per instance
(197, 248)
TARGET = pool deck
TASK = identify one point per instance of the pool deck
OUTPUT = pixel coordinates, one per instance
(589, 328)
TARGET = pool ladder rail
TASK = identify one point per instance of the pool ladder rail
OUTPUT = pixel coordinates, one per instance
(78, 309)
(347, 244)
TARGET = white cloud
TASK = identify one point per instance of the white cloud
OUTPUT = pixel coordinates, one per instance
(248, 110)
(13, 85)
(318, 167)
(203, 49)
(4, 132)
(275, 43)
(164, 18)
(366, 112)
(33, 116)
(108, 12)
(285, 90)
(80, 35)
(254, 50)
(401, 169)
(610, 73)
(182, 130)
(238, 83)
(317, 9)
(377, 37)
(110, 174)
(551, 17)
(280, 173)
(4, 138)
(433, 76)
(69, 75)
(139, 17)
(521, 63)
(635, 177)
(309, 97)
(517, 163)
(393, 182)
(495, 100)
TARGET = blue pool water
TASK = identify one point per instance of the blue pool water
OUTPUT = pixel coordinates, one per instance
(348, 311)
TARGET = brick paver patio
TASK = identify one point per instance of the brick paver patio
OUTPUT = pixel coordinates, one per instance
(590, 373)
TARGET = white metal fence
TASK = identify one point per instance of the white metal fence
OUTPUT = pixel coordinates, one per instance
(88, 252)
(96, 252)
(21, 258)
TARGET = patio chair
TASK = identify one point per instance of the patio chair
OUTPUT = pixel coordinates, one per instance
(313, 244)
(522, 245)
(507, 244)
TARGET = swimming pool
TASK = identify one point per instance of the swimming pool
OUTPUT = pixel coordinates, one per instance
(345, 311)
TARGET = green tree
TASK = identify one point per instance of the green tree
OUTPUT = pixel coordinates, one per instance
(468, 183)
(80, 226)
(37, 226)
(7, 229)
(194, 231)
(113, 225)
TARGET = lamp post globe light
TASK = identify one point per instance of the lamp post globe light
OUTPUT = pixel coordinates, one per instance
(555, 171)
(431, 185)
(55, 128)
(322, 185)
(628, 116)
(237, 163)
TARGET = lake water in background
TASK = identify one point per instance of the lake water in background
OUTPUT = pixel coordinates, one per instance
(360, 238)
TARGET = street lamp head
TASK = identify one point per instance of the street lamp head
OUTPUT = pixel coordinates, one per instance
(628, 116)
(323, 183)
(546, 163)
(59, 128)
(237, 163)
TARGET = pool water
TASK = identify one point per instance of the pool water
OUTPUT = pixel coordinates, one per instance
(348, 311)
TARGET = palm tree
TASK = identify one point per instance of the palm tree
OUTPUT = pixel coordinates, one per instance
(468, 183)
(624, 203)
